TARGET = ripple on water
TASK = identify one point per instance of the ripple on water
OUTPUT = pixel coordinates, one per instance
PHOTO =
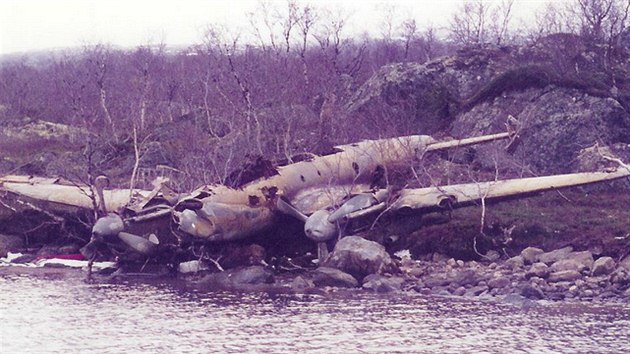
(61, 315)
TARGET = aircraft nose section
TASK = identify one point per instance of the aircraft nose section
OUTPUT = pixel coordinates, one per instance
(318, 228)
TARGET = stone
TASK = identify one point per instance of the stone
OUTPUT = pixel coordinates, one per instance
(238, 278)
(620, 276)
(360, 257)
(532, 292)
(459, 291)
(382, 284)
(554, 256)
(530, 254)
(564, 275)
(9, 243)
(435, 281)
(567, 264)
(584, 258)
(539, 269)
(515, 262)
(500, 282)
(438, 257)
(301, 283)
(625, 263)
(325, 276)
(467, 277)
(476, 290)
(492, 256)
(603, 266)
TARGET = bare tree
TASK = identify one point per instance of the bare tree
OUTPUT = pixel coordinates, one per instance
(469, 24)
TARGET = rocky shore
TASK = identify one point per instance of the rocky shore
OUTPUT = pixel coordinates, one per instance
(357, 263)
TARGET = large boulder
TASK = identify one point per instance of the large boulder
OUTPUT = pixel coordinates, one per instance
(360, 257)
(574, 261)
(325, 276)
(555, 255)
(564, 102)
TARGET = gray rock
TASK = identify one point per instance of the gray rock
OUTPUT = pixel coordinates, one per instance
(620, 276)
(360, 257)
(438, 257)
(9, 243)
(325, 276)
(382, 284)
(500, 282)
(467, 277)
(238, 278)
(567, 264)
(301, 283)
(564, 275)
(540, 270)
(436, 281)
(493, 256)
(585, 258)
(625, 263)
(603, 266)
(459, 291)
(532, 292)
(516, 262)
(530, 254)
(551, 257)
(476, 290)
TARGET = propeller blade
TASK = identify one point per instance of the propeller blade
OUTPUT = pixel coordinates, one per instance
(139, 243)
(358, 202)
(285, 207)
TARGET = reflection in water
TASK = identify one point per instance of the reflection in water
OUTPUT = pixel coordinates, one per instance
(43, 315)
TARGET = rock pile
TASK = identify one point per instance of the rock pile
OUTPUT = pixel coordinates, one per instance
(535, 274)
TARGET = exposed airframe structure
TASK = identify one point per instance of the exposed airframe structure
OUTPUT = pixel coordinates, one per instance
(324, 192)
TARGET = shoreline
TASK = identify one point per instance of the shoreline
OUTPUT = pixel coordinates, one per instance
(558, 275)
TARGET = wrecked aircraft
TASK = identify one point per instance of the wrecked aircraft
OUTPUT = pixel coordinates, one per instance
(327, 193)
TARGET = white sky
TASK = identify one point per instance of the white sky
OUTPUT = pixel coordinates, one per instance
(27, 25)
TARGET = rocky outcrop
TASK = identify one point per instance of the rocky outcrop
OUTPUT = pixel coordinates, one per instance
(564, 102)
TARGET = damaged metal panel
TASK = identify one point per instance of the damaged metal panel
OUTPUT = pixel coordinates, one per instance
(460, 194)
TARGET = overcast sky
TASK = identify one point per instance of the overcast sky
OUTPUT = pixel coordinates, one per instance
(27, 25)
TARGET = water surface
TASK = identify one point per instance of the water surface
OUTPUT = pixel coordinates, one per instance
(63, 314)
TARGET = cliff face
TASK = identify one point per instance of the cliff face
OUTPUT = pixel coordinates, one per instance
(564, 96)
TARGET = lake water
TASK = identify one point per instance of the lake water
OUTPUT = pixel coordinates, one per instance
(57, 313)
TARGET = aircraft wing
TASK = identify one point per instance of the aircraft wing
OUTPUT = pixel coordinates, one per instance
(59, 196)
(453, 196)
